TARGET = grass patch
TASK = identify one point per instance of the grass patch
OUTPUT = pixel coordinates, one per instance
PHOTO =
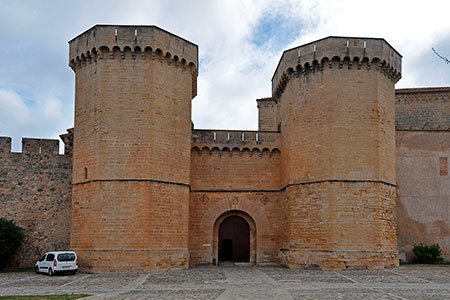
(44, 297)
(17, 270)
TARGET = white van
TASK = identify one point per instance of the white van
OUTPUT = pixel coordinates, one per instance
(57, 262)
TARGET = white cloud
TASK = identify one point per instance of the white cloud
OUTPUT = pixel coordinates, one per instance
(234, 69)
(45, 118)
(12, 108)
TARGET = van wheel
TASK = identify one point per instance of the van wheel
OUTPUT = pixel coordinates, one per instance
(36, 269)
(73, 272)
(50, 272)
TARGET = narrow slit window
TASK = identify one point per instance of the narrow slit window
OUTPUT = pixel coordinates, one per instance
(443, 166)
(228, 136)
(85, 173)
(257, 137)
(214, 136)
(40, 150)
(243, 136)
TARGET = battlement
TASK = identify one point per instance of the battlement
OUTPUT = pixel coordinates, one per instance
(38, 146)
(353, 52)
(134, 42)
(67, 138)
(5, 144)
(235, 139)
(103, 40)
(268, 101)
(31, 146)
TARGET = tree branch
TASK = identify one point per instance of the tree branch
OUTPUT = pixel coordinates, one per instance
(447, 61)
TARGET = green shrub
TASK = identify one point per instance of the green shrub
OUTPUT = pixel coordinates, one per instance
(11, 238)
(428, 254)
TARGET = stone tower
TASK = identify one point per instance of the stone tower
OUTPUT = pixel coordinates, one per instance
(337, 106)
(132, 142)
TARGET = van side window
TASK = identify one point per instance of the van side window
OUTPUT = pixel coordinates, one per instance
(42, 258)
(50, 257)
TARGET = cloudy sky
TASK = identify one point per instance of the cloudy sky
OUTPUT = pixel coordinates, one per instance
(240, 44)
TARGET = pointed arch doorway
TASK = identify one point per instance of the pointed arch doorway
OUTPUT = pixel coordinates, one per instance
(235, 237)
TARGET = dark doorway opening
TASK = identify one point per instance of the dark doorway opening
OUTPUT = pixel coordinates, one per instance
(234, 240)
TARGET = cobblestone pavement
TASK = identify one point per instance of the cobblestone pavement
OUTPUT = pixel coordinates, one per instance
(222, 283)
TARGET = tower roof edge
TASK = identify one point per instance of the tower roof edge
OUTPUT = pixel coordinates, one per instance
(133, 26)
(340, 47)
(132, 36)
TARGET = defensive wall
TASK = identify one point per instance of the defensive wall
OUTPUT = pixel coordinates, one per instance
(423, 182)
(236, 173)
(36, 187)
(36, 192)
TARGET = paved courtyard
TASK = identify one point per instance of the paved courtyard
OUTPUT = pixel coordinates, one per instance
(233, 282)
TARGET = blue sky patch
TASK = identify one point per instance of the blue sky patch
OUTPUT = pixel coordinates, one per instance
(275, 31)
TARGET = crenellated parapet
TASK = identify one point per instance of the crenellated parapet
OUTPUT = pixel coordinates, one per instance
(67, 138)
(39, 146)
(104, 42)
(336, 52)
(5, 144)
(31, 146)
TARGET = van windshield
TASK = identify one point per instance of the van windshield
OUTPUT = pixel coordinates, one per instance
(66, 257)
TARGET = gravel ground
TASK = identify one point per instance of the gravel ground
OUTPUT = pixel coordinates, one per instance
(238, 282)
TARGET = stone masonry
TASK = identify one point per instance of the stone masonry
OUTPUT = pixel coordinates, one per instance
(36, 192)
(344, 171)
(132, 142)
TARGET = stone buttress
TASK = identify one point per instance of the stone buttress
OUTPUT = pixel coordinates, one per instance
(337, 115)
(132, 144)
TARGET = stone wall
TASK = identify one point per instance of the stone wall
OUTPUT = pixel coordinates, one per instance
(422, 109)
(339, 225)
(423, 190)
(423, 185)
(35, 192)
(236, 173)
(225, 170)
(264, 209)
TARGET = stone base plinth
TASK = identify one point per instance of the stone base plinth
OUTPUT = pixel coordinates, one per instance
(338, 259)
(137, 260)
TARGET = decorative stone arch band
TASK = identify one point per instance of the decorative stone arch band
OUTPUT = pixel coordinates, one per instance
(254, 151)
(137, 52)
(249, 211)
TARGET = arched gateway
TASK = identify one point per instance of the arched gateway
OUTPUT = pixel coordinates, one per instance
(235, 237)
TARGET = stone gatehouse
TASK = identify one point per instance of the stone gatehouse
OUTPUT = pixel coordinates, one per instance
(345, 171)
